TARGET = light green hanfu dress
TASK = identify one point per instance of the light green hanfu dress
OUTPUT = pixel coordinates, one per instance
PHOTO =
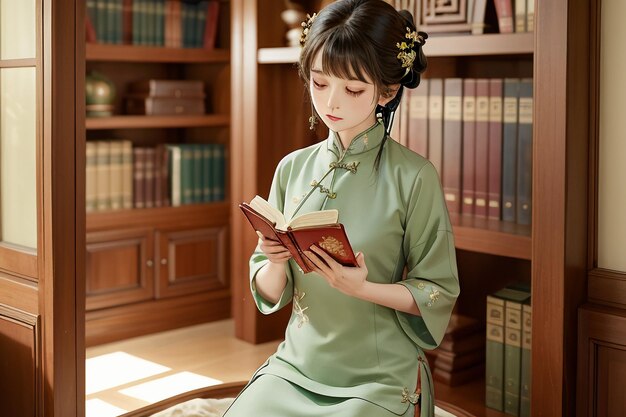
(343, 356)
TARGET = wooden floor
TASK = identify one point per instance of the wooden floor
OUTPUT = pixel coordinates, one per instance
(117, 371)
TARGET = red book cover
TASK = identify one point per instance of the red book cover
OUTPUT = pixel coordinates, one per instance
(149, 177)
(127, 22)
(330, 237)
(495, 149)
(482, 148)
(90, 30)
(469, 145)
(210, 28)
(452, 143)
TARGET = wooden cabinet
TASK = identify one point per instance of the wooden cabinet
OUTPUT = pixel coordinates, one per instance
(120, 267)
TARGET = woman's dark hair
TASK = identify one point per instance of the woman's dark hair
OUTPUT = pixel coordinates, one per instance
(358, 37)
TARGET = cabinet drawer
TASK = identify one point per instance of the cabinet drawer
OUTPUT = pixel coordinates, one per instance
(191, 261)
(119, 267)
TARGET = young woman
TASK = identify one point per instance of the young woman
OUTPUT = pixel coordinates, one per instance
(354, 343)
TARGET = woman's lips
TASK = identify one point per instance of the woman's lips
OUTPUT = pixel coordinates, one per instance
(333, 118)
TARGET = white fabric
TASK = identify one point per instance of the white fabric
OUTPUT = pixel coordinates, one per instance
(200, 407)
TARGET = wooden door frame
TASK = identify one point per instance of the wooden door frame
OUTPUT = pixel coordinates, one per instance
(61, 229)
(560, 198)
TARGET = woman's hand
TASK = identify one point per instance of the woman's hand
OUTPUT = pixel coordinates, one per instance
(275, 251)
(348, 280)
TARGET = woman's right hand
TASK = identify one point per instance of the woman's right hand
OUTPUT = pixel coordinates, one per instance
(275, 251)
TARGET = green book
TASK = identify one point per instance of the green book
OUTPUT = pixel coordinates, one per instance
(218, 172)
(136, 22)
(494, 354)
(186, 174)
(101, 22)
(197, 173)
(525, 151)
(160, 23)
(513, 350)
(207, 175)
(509, 150)
(526, 363)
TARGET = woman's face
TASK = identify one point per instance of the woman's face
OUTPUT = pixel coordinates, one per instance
(345, 106)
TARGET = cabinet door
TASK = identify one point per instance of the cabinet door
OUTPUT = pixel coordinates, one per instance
(191, 261)
(119, 266)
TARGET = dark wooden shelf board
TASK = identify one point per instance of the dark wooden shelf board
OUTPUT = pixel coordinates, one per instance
(469, 397)
(134, 53)
(161, 216)
(136, 122)
(436, 46)
(492, 236)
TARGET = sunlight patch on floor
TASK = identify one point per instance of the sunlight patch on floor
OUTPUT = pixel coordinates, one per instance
(117, 368)
(99, 408)
(159, 389)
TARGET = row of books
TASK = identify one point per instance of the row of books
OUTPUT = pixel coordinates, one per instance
(460, 357)
(515, 15)
(508, 350)
(478, 134)
(171, 23)
(120, 176)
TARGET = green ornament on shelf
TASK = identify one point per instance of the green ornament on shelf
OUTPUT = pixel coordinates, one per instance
(99, 95)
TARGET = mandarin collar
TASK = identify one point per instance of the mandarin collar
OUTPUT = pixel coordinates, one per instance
(367, 140)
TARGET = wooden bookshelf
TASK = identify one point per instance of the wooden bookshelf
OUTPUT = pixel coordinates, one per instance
(137, 122)
(493, 237)
(134, 53)
(436, 46)
(98, 220)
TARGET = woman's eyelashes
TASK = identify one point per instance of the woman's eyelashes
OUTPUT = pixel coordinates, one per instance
(353, 93)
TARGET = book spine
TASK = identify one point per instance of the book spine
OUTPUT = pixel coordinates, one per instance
(495, 150)
(110, 21)
(504, 11)
(219, 172)
(200, 23)
(127, 22)
(210, 28)
(135, 9)
(520, 15)
(127, 174)
(115, 175)
(175, 174)
(417, 129)
(530, 15)
(512, 356)
(526, 360)
(100, 21)
(159, 17)
(149, 177)
(494, 354)
(90, 177)
(158, 178)
(452, 143)
(186, 177)
(481, 176)
(469, 145)
(138, 177)
(207, 174)
(509, 150)
(525, 152)
(435, 125)
(291, 244)
(92, 17)
(197, 173)
(478, 18)
(165, 177)
(103, 167)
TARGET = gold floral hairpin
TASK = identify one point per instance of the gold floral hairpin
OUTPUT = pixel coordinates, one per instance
(306, 25)
(407, 52)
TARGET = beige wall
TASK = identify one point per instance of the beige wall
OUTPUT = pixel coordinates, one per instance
(612, 164)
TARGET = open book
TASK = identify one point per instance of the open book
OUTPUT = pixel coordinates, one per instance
(318, 228)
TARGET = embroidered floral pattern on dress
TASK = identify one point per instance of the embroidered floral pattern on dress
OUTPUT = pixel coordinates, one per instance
(434, 296)
(298, 309)
(412, 398)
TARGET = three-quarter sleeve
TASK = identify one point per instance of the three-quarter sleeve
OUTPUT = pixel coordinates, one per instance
(432, 276)
(258, 258)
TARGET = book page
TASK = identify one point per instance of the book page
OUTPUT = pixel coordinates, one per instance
(315, 218)
(270, 212)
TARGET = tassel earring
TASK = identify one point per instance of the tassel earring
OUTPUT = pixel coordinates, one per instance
(312, 119)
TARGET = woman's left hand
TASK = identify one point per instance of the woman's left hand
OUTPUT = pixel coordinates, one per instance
(349, 280)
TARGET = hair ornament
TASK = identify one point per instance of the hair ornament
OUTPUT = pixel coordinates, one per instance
(407, 52)
(306, 25)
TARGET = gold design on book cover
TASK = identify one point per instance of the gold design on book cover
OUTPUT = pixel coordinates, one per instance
(332, 245)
